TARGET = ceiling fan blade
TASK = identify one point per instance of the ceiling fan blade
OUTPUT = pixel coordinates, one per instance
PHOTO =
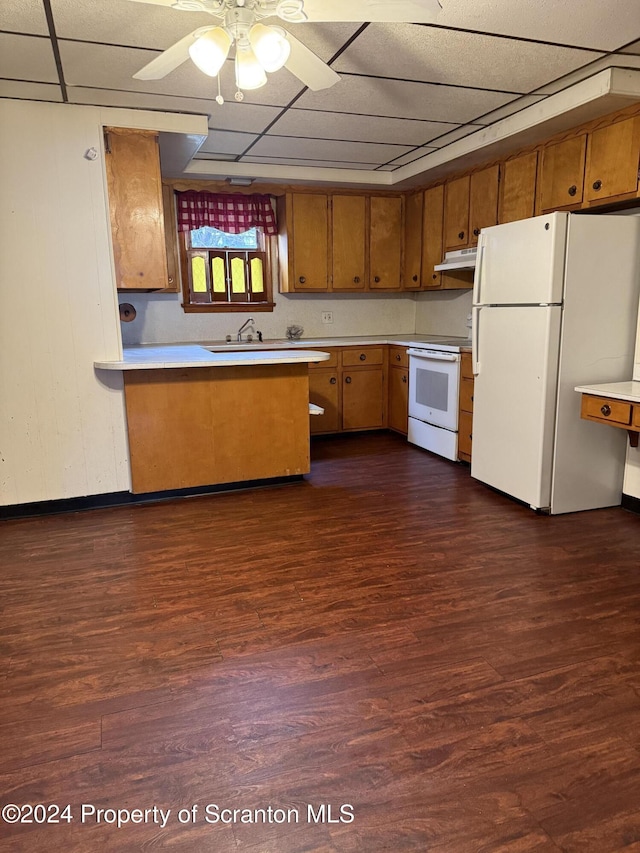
(375, 11)
(308, 67)
(169, 60)
(156, 2)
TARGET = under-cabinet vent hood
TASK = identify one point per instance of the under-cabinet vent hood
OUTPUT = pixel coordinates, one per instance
(463, 259)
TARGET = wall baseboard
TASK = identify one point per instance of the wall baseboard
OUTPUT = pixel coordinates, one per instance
(631, 503)
(116, 499)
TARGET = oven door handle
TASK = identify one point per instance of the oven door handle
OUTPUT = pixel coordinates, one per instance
(433, 356)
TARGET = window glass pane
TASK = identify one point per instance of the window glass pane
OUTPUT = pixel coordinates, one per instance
(218, 276)
(237, 276)
(257, 278)
(211, 238)
(198, 275)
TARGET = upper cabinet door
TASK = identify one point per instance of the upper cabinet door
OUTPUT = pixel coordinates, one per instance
(385, 248)
(309, 241)
(483, 201)
(135, 205)
(348, 233)
(518, 188)
(612, 161)
(456, 213)
(562, 174)
(412, 241)
(432, 236)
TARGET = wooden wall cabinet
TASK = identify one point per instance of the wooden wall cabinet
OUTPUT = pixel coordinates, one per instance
(517, 198)
(612, 162)
(456, 213)
(483, 201)
(413, 212)
(349, 242)
(385, 242)
(303, 223)
(432, 237)
(134, 185)
(398, 391)
(562, 174)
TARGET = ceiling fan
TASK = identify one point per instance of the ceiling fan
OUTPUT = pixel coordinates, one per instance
(260, 48)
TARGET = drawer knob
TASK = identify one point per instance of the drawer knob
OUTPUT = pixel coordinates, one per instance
(461, 235)
(606, 410)
(597, 185)
(398, 358)
(415, 278)
(302, 279)
(376, 278)
(348, 380)
(356, 279)
(434, 276)
(404, 378)
(573, 189)
(363, 357)
(476, 231)
(333, 380)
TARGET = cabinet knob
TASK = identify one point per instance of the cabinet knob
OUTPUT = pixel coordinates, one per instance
(302, 279)
(356, 279)
(415, 278)
(461, 235)
(363, 357)
(573, 189)
(476, 231)
(398, 358)
(434, 276)
(348, 380)
(404, 378)
(376, 278)
(606, 410)
(333, 380)
(597, 185)
(170, 279)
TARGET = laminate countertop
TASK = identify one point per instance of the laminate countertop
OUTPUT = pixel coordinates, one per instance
(628, 391)
(234, 353)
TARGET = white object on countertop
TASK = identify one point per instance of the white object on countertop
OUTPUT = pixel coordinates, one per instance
(314, 409)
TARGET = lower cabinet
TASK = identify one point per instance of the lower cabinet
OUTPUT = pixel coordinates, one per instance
(465, 414)
(352, 389)
(398, 394)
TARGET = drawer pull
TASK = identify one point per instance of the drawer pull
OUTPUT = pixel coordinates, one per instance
(356, 279)
(461, 235)
(415, 277)
(606, 410)
(597, 185)
(404, 378)
(333, 380)
(376, 278)
(573, 189)
(398, 358)
(363, 357)
(476, 231)
(348, 380)
(302, 279)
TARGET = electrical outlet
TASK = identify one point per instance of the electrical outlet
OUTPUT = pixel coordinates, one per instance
(327, 316)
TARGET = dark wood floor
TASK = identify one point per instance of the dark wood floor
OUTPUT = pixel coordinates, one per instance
(388, 634)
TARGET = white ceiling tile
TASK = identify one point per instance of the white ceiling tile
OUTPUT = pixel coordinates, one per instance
(30, 91)
(411, 156)
(27, 58)
(27, 16)
(584, 23)
(347, 126)
(225, 142)
(403, 99)
(432, 55)
(327, 164)
(454, 135)
(323, 149)
(252, 118)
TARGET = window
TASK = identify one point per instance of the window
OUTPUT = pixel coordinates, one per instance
(225, 252)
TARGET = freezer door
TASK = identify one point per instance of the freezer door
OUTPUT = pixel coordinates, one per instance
(521, 263)
(514, 400)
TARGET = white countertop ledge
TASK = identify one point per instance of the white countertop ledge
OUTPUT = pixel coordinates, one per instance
(629, 391)
(172, 356)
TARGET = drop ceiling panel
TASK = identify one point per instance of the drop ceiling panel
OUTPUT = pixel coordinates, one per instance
(30, 91)
(27, 58)
(410, 157)
(323, 149)
(306, 123)
(225, 142)
(454, 135)
(398, 98)
(433, 55)
(597, 25)
(27, 16)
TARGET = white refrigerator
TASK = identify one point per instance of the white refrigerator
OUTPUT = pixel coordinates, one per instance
(555, 303)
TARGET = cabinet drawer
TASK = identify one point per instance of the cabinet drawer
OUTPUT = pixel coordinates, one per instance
(604, 410)
(323, 365)
(466, 395)
(465, 427)
(398, 357)
(466, 365)
(636, 416)
(354, 356)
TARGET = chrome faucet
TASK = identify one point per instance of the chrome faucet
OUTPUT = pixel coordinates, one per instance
(248, 322)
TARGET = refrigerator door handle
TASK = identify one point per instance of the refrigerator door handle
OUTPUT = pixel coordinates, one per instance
(477, 278)
(475, 338)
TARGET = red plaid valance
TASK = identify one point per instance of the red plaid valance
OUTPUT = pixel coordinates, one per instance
(233, 213)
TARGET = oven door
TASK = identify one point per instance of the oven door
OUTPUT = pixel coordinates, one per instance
(434, 380)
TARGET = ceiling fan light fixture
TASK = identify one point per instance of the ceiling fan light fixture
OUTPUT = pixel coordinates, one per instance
(210, 51)
(270, 46)
(249, 73)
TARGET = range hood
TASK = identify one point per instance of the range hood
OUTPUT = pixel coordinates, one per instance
(463, 259)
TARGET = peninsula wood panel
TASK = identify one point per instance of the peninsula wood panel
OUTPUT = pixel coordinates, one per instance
(199, 426)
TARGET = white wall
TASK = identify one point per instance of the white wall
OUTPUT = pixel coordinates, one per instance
(443, 313)
(160, 318)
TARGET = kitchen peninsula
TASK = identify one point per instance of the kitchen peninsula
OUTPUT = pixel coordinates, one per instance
(199, 418)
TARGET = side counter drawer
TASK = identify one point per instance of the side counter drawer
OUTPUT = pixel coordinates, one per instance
(359, 356)
(604, 410)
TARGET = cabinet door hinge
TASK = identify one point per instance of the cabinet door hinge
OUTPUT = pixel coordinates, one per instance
(107, 142)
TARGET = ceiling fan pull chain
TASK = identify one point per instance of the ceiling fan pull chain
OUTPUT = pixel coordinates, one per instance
(239, 96)
(219, 98)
